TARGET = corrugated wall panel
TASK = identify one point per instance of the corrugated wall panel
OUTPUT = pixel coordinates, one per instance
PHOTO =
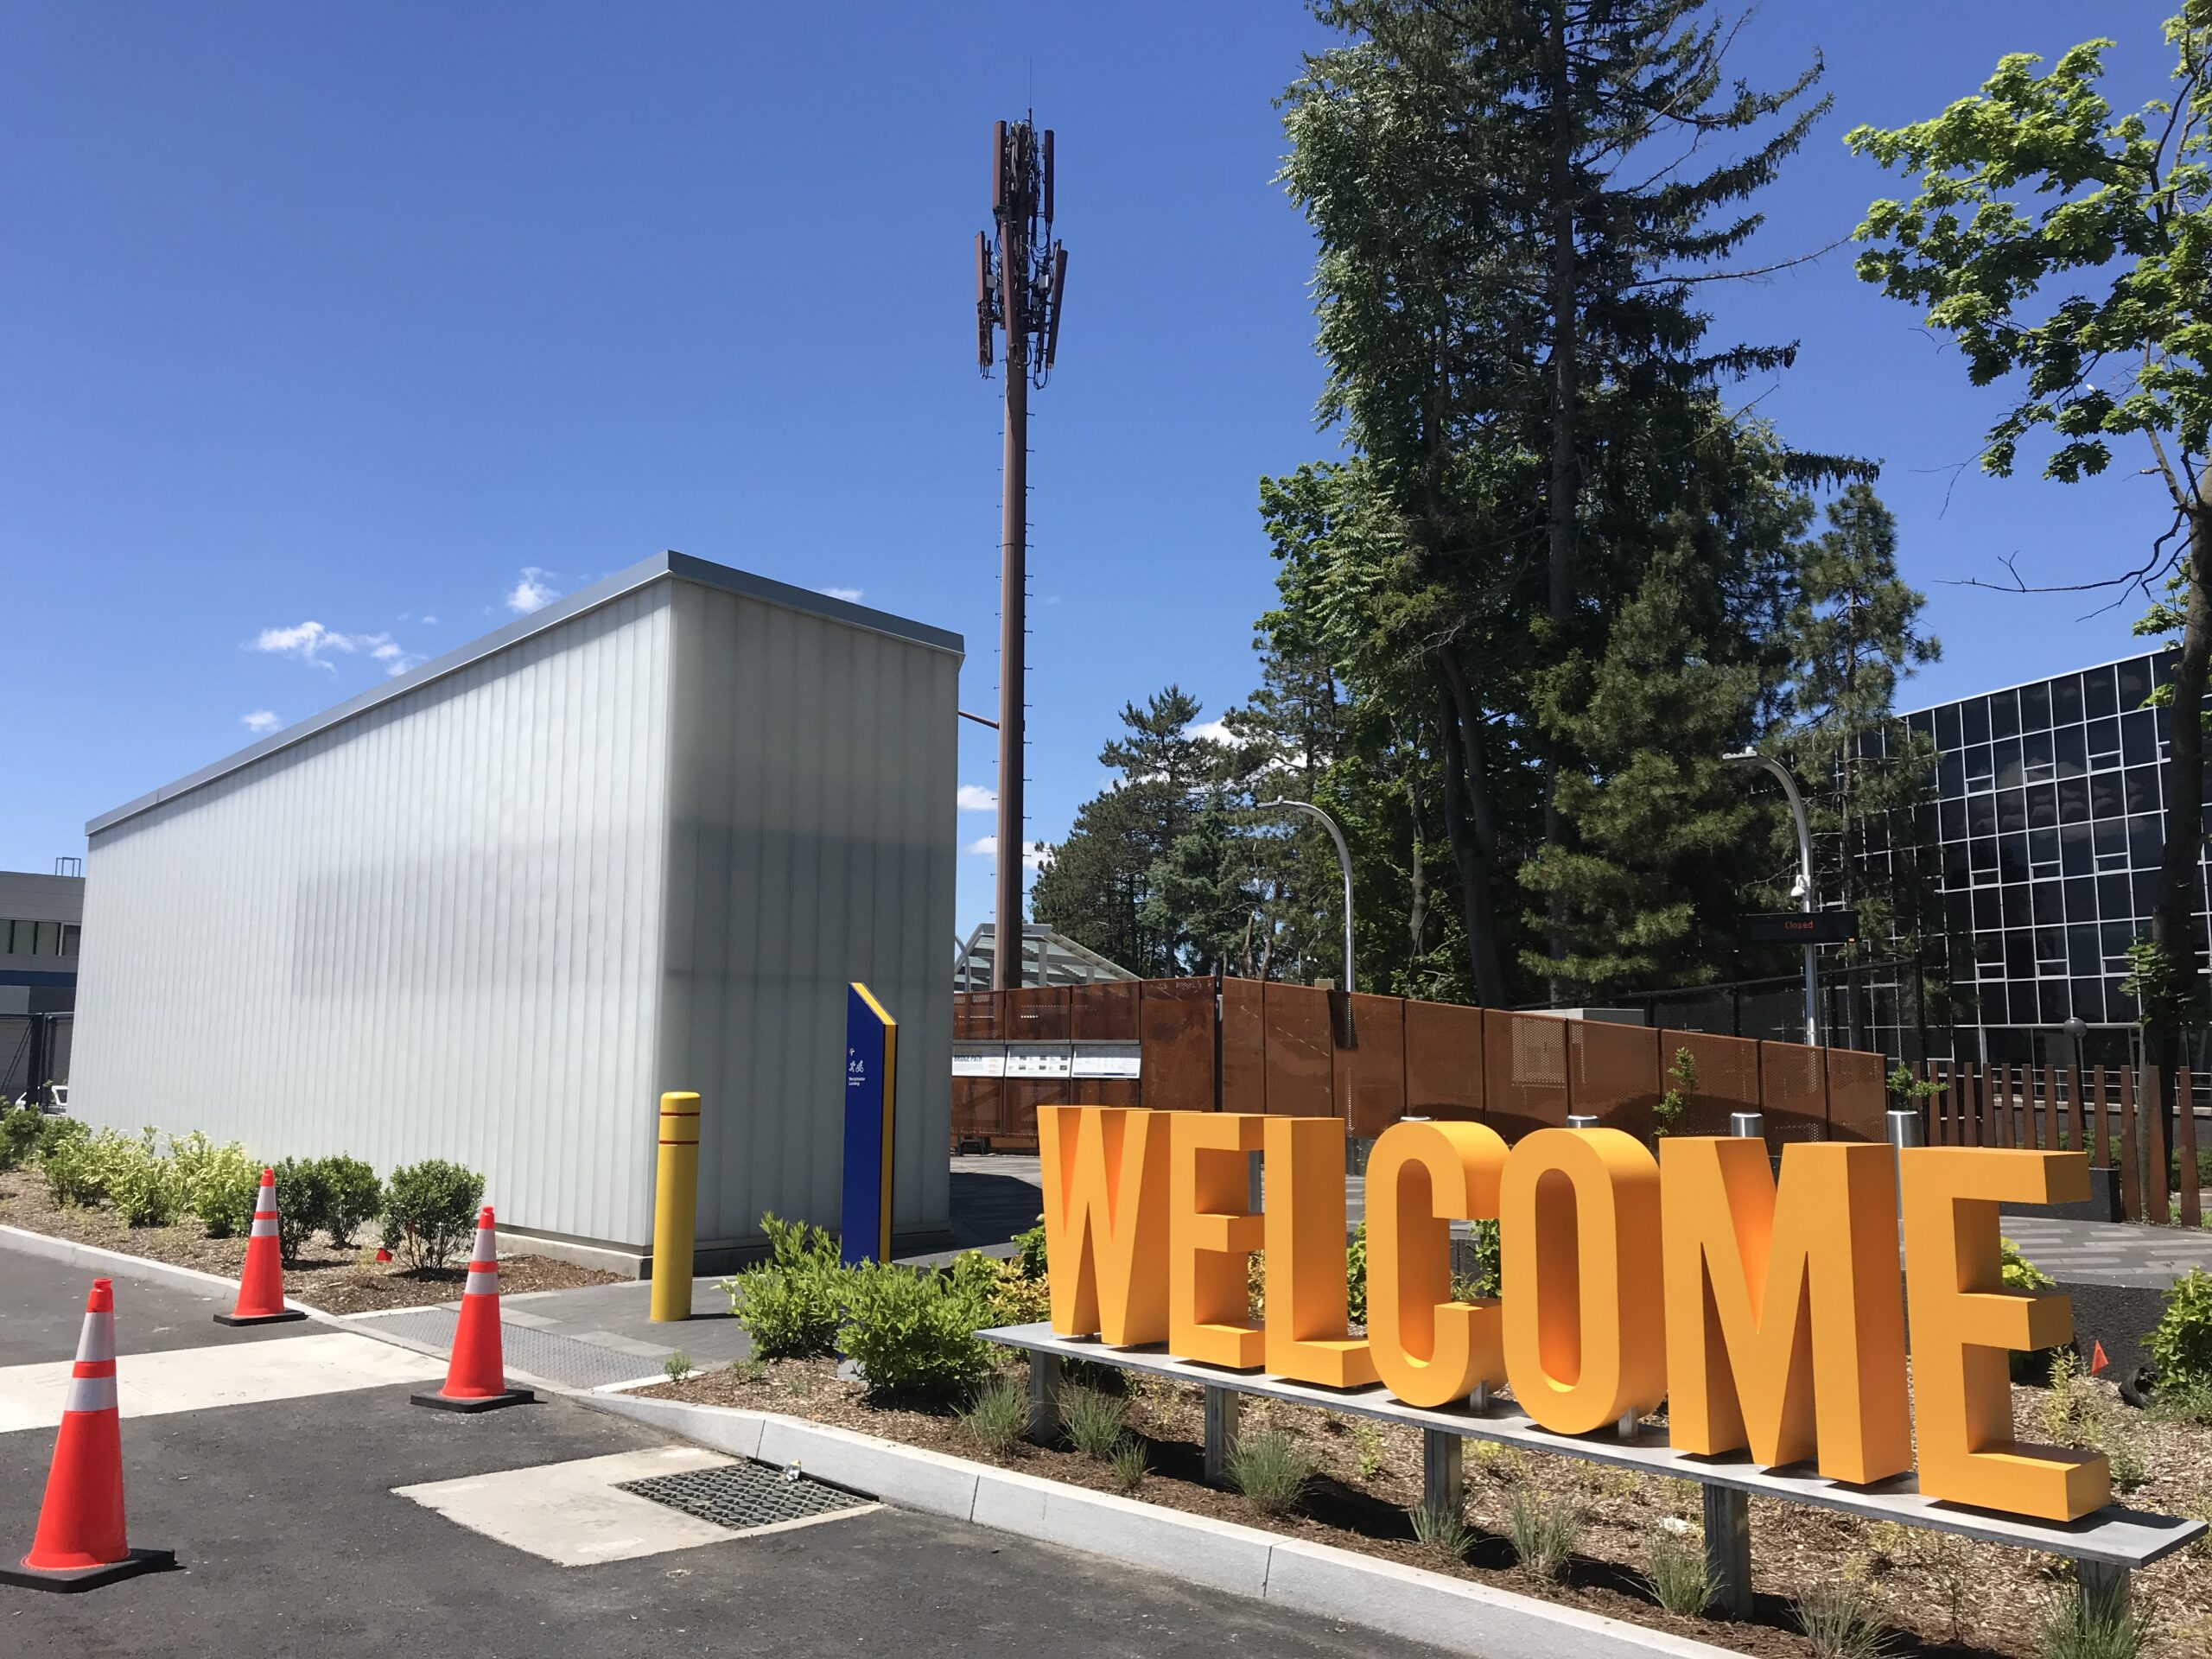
(429, 931)
(812, 842)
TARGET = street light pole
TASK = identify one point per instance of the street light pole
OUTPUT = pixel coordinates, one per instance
(1343, 863)
(1753, 758)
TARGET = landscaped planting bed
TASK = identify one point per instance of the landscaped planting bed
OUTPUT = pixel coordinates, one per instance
(1933, 1593)
(347, 1281)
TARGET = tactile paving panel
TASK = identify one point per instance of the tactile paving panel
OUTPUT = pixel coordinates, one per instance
(541, 1353)
(740, 1496)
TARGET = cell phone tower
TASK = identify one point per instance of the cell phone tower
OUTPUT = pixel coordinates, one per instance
(1021, 276)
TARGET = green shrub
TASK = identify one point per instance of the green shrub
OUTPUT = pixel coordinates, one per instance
(353, 1196)
(2181, 1347)
(912, 1334)
(1093, 1421)
(1838, 1620)
(1271, 1469)
(430, 1211)
(1544, 1529)
(792, 1302)
(1444, 1531)
(19, 1127)
(998, 1416)
(2074, 1627)
(1677, 1575)
(1356, 1274)
(303, 1203)
(71, 1170)
(2019, 1273)
(54, 1132)
(1488, 1274)
(140, 1185)
(1007, 1295)
(1029, 1251)
(1131, 1460)
(221, 1184)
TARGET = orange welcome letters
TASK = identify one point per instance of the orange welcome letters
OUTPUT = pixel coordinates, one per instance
(1769, 1316)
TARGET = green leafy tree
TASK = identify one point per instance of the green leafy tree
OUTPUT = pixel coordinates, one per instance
(2068, 250)
(1509, 236)
(1853, 633)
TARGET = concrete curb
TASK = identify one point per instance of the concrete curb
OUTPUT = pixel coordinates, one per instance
(1314, 1579)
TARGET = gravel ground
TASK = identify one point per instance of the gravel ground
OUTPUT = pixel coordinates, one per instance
(1938, 1595)
(334, 1279)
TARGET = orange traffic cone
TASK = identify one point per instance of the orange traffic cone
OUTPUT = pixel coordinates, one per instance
(476, 1378)
(80, 1542)
(261, 1287)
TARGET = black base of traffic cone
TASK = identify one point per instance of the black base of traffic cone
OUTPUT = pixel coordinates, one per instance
(288, 1314)
(70, 1580)
(479, 1403)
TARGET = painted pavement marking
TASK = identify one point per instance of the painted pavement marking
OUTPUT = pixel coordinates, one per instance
(228, 1374)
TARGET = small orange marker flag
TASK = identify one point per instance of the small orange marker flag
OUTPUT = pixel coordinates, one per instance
(2098, 1361)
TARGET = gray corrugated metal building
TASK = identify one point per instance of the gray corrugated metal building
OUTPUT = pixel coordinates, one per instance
(638, 841)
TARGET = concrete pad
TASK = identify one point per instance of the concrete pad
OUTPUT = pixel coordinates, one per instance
(229, 1374)
(570, 1514)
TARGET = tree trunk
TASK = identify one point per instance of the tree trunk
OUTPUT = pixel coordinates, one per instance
(1468, 824)
(1417, 870)
(2173, 928)
(1559, 505)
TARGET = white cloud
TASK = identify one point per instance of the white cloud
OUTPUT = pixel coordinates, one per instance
(1033, 855)
(841, 593)
(260, 722)
(974, 797)
(532, 591)
(429, 621)
(315, 646)
(1213, 731)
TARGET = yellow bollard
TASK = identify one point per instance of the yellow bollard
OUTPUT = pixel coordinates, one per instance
(675, 1207)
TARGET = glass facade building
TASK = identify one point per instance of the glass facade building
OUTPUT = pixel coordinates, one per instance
(2047, 818)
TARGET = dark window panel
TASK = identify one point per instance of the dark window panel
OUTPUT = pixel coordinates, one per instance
(2162, 667)
(2081, 898)
(2012, 855)
(2104, 743)
(2065, 700)
(2088, 996)
(2070, 745)
(1949, 727)
(2005, 758)
(2039, 758)
(2015, 907)
(2144, 887)
(2139, 737)
(1922, 722)
(2120, 1006)
(2042, 808)
(1955, 819)
(2134, 682)
(2099, 695)
(1981, 814)
(2112, 940)
(2146, 845)
(2019, 954)
(1989, 916)
(2140, 786)
(1925, 829)
(2012, 809)
(1951, 775)
(1957, 913)
(2106, 799)
(1954, 863)
(2111, 843)
(2076, 853)
(2114, 900)
(2073, 800)
(2034, 707)
(2050, 946)
(1974, 716)
(2004, 713)
(2042, 844)
(2083, 953)
(2048, 902)
(1980, 770)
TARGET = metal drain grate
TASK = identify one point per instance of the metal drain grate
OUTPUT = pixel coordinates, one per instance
(741, 1496)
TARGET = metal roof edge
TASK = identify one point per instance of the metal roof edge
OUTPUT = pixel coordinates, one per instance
(679, 566)
(2037, 679)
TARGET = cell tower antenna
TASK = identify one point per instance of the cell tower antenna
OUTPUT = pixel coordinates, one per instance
(1021, 277)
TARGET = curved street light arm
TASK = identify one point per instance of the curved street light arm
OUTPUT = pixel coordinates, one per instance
(1805, 899)
(1344, 864)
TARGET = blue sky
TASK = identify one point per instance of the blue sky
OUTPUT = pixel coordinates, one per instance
(384, 319)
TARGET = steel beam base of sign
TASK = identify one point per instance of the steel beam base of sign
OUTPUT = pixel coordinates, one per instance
(1728, 1549)
(1443, 1473)
(2106, 1546)
(1222, 1409)
(1044, 1398)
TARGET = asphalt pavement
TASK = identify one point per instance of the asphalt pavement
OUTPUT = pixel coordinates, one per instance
(292, 1538)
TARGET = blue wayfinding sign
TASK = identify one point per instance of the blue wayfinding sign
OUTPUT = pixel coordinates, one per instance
(871, 1096)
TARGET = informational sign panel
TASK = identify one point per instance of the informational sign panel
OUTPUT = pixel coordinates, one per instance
(871, 1098)
(1797, 927)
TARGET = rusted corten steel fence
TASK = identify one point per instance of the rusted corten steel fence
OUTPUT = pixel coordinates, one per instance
(1245, 1045)
(2111, 1110)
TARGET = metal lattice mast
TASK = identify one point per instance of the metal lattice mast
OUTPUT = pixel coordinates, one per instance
(1020, 277)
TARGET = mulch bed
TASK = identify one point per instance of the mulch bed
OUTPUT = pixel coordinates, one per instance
(1939, 1595)
(335, 1281)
